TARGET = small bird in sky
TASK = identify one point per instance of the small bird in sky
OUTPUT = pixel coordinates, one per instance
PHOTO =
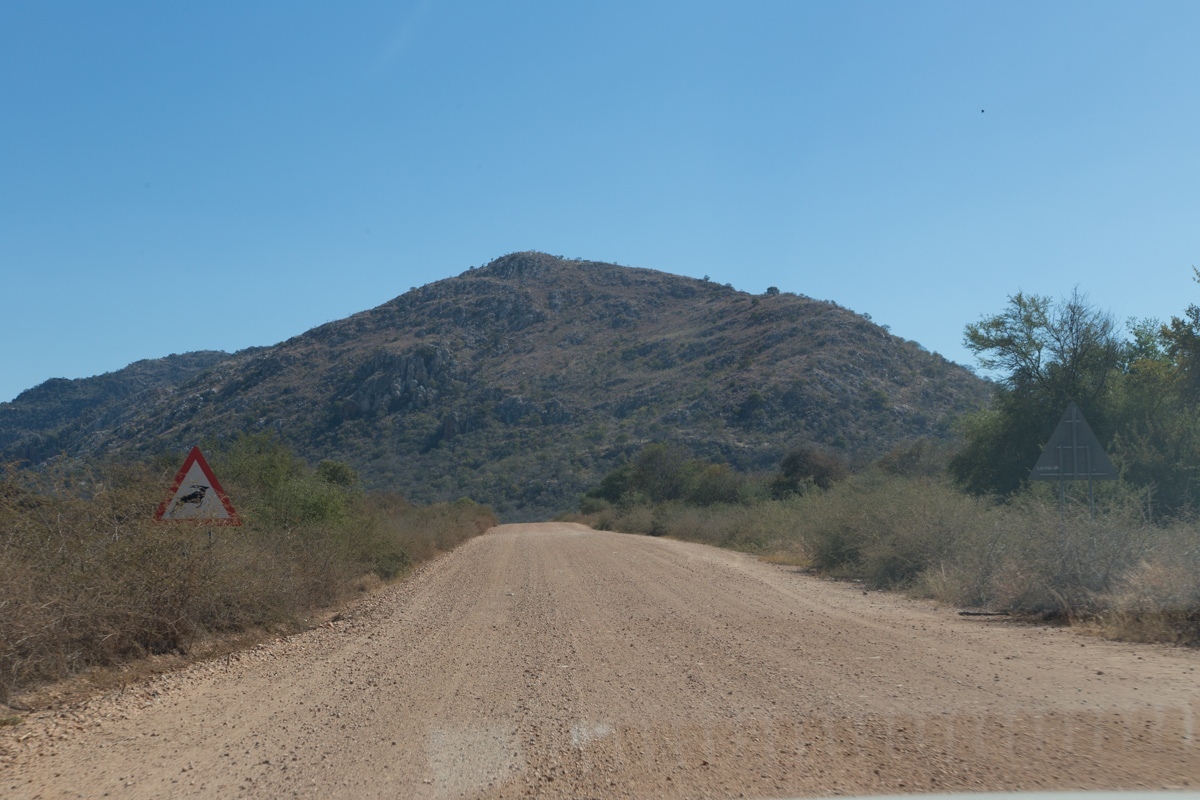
(981, 111)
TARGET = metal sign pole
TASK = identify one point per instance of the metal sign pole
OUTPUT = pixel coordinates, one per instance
(1091, 498)
(1062, 487)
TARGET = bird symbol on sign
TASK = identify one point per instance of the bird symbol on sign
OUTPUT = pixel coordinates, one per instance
(196, 497)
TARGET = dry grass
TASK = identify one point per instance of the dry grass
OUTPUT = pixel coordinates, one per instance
(1131, 579)
(1158, 599)
(90, 580)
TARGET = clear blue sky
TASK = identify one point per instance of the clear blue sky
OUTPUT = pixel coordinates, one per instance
(219, 175)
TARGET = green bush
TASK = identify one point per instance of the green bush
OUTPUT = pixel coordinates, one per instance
(663, 473)
(805, 467)
(593, 505)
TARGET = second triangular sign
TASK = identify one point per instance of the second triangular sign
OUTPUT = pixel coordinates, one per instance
(1073, 453)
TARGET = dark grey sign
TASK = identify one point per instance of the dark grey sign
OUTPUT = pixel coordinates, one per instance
(1073, 453)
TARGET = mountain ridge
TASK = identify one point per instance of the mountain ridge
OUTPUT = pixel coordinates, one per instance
(521, 382)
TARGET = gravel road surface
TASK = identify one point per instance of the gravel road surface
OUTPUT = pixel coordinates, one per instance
(555, 661)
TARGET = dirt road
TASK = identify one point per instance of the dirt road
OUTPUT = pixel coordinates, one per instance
(554, 661)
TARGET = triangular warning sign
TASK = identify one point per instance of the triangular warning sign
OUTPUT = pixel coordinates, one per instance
(1073, 453)
(197, 496)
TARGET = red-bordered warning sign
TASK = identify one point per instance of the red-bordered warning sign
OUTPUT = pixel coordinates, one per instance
(197, 496)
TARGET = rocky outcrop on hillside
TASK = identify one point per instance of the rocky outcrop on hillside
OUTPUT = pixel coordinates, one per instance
(520, 383)
(391, 382)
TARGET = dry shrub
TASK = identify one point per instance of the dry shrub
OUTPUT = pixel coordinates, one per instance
(89, 579)
(1040, 562)
(767, 527)
(636, 518)
(936, 541)
(414, 534)
(1158, 600)
(889, 531)
(926, 537)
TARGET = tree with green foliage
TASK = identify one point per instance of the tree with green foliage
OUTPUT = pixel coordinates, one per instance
(1140, 395)
(277, 488)
(804, 467)
(338, 473)
(1048, 354)
(1181, 341)
(1158, 440)
(664, 473)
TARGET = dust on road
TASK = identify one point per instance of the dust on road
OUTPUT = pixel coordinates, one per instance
(556, 661)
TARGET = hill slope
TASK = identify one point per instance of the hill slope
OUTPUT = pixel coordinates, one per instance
(50, 418)
(520, 383)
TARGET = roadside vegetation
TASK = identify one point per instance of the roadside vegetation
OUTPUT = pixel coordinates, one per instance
(963, 523)
(89, 579)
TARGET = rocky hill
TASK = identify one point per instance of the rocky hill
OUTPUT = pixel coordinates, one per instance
(49, 418)
(521, 383)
